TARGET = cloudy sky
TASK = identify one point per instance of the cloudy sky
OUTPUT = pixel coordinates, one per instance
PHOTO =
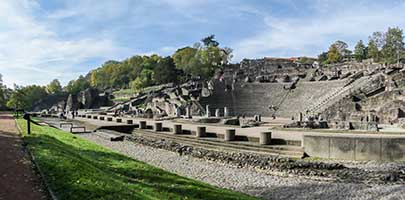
(42, 39)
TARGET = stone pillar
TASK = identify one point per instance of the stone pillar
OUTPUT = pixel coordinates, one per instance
(207, 111)
(177, 129)
(178, 112)
(130, 121)
(226, 112)
(158, 126)
(299, 118)
(256, 118)
(217, 113)
(229, 135)
(265, 138)
(260, 118)
(188, 112)
(201, 131)
(142, 125)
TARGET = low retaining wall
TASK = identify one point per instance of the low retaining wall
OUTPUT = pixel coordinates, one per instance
(355, 146)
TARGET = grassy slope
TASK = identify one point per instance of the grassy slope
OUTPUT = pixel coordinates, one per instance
(79, 169)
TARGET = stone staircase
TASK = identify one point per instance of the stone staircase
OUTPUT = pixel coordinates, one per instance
(337, 94)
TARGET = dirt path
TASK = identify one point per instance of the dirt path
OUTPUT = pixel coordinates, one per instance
(18, 179)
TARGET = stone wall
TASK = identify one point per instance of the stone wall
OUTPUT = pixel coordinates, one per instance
(355, 146)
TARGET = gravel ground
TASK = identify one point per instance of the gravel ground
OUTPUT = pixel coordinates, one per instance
(249, 181)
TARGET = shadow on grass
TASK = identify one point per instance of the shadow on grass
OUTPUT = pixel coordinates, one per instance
(78, 169)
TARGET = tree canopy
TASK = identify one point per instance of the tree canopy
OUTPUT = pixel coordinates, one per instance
(360, 51)
(54, 87)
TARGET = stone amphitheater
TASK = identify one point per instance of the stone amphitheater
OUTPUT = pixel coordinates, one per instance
(278, 115)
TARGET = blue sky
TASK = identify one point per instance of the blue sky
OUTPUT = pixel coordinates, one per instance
(42, 39)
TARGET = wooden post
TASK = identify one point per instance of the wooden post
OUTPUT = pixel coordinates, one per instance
(27, 117)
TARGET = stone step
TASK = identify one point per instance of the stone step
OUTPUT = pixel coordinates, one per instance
(215, 144)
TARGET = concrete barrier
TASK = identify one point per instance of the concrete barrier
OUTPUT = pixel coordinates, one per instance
(142, 125)
(362, 147)
(229, 135)
(265, 138)
(118, 120)
(201, 131)
(158, 126)
(177, 129)
(130, 121)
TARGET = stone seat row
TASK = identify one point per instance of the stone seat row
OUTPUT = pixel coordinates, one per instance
(201, 131)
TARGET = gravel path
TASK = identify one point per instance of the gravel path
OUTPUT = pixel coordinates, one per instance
(18, 179)
(249, 181)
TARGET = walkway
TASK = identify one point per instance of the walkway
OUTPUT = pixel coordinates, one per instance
(18, 180)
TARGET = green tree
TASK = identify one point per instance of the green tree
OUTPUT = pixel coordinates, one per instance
(4, 94)
(372, 50)
(75, 86)
(323, 58)
(25, 97)
(209, 41)
(200, 60)
(165, 71)
(185, 59)
(334, 55)
(144, 80)
(54, 87)
(342, 48)
(394, 45)
(360, 52)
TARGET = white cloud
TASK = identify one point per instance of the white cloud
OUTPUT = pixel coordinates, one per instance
(331, 20)
(33, 53)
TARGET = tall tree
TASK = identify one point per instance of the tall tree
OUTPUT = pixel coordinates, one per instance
(165, 71)
(341, 47)
(209, 41)
(372, 50)
(334, 55)
(360, 51)
(394, 45)
(54, 87)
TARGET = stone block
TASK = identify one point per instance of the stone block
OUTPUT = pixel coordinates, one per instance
(342, 148)
(201, 131)
(393, 149)
(142, 125)
(158, 126)
(317, 146)
(229, 135)
(265, 138)
(367, 149)
(177, 129)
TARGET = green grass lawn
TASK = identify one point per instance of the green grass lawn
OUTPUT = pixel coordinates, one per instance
(78, 169)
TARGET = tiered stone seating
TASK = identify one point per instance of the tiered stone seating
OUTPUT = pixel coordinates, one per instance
(337, 95)
(255, 98)
(306, 94)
